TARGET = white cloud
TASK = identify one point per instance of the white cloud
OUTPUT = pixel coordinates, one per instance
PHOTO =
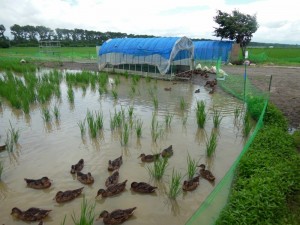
(192, 18)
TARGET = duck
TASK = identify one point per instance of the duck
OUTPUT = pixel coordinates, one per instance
(113, 179)
(31, 214)
(149, 158)
(197, 91)
(168, 89)
(115, 164)
(142, 187)
(41, 183)
(111, 190)
(77, 167)
(64, 196)
(117, 216)
(85, 178)
(167, 152)
(190, 185)
(206, 174)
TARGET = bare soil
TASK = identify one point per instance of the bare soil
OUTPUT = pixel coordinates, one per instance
(285, 85)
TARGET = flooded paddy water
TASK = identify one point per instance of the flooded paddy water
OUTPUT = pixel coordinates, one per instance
(50, 148)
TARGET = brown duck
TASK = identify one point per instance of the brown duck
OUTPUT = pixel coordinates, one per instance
(64, 196)
(117, 216)
(206, 174)
(111, 190)
(115, 164)
(77, 167)
(85, 178)
(190, 185)
(31, 214)
(142, 187)
(113, 179)
(42, 183)
(149, 158)
(167, 152)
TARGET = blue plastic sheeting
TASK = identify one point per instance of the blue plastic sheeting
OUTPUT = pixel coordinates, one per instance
(212, 50)
(142, 47)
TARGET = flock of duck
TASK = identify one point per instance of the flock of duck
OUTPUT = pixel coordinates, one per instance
(113, 187)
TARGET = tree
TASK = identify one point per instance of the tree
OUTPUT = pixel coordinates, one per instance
(2, 30)
(238, 27)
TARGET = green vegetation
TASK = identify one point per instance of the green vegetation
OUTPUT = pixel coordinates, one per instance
(156, 130)
(138, 127)
(70, 94)
(192, 167)
(14, 133)
(81, 125)
(9, 142)
(87, 215)
(155, 102)
(217, 118)
(125, 134)
(182, 103)
(56, 112)
(211, 144)
(117, 120)
(200, 114)
(46, 115)
(168, 119)
(114, 94)
(237, 112)
(159, 167)
(175, 187)
(13, 64)
(95, 122)
(267, 185)
(1, 169)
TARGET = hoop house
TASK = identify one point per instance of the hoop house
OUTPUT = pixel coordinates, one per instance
(212, 50)
(162, 53)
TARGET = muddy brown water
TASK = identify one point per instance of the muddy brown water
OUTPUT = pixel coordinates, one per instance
(49, 149)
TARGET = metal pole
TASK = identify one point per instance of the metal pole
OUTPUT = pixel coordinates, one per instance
(245, 74)
(270, 83)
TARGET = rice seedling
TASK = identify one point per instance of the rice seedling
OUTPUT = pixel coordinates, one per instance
(217, 118)
(99, 120)
(1, 169)
(126, 74)
(150, 91)
(237, 112)
(117, 80)
(116, 120)
(25, 106)
(247, 124)
(56, 112)
(81, 125)
(155, 102)
(175, 187)
(135, 79)
(156, 130)
(184, 119)
(192, 167)
(158, 169)
(114, 94)
(133, 90)
(148, 79)
(138, 127)
(14, 133)
(9, 142)
(168, 119)
(211, 144)
(130, 112)
(182, 103)
(46, 114)
(87, 214)
(200, 114)
(125, 134)
(70, 94)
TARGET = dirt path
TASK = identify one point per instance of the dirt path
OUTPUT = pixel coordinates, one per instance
(285, 86)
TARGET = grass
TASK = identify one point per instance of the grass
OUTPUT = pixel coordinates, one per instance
(200, 114)
(87, 214)
(182, 103)
(138, 127)
(217, 118)
(46, 115)
(81, 125)
(175, 187)
(158, 169)
(192, 167)
(168, 119)
(247, 124)
(211, 144)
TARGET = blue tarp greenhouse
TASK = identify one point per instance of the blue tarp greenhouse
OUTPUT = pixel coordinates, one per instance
(160, 52)
(212, 50)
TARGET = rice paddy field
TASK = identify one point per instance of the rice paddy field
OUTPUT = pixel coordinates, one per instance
(50, 119)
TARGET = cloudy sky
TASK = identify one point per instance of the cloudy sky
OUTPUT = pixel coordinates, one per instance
(279, 21)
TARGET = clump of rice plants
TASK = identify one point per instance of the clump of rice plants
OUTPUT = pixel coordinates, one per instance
(135, 79)
(247, 124)
(192, 167)
(168, 119)
(151, 92)
(200, 114)
(184, 119)
(237, 112)
(175, 187)
(56, 112)
(125, 134)
(14, 133)
(182, 103)
(95, 122)
(217, 118)
(70, 94)
(133, 89)
(156, 130)
(117, 80)
(138, 127)
(81, 125)
(99, 120)
(117, 120)
(46, 114)
(155, 102)
(130, 112)
(87, 214)
(158, 169)
(9, 142)
(211, 144)
(126, 74)
(114, 94)
(1, 169)
(148, 79)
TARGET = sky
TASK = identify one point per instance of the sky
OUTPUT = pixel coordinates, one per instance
(279, 21)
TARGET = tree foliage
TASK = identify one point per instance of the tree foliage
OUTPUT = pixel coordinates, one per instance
(236, 26)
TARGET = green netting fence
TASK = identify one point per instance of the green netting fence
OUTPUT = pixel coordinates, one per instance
(256, 101)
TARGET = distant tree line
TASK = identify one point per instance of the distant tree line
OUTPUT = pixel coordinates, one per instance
(29, 36)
